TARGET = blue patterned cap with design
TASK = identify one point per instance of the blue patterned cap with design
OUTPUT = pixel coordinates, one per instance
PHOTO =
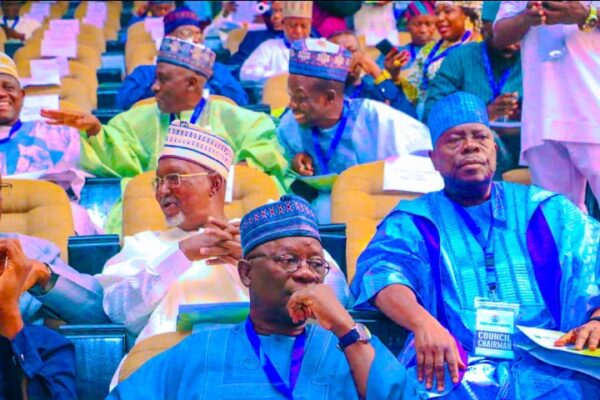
(319, 58)
(291, 216)
(195, 57)
(453, 110)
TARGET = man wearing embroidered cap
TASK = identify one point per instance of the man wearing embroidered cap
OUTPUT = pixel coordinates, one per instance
(272, 57)
(130, 143)
(275, 350)
(460, 268)
(156, 272)
(184, 24)
(325, 133)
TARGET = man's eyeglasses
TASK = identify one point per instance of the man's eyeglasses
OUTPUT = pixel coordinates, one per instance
(173, 180)
(292, 263)
(5, 188)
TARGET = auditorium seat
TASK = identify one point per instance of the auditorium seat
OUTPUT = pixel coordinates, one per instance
(358, 200)
(275, 91)
(141, 212)
(40, 209)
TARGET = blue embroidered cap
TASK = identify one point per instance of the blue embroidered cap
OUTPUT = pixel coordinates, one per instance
(195, 57)
(289, 217)
(180, 17)
(453, 110)
(319, 58)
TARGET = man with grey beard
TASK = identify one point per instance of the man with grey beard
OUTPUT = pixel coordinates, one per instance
(193, 262)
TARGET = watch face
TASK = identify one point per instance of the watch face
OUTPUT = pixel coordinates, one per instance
(363, 332)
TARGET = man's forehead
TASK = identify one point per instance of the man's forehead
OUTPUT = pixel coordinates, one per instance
(171, 165)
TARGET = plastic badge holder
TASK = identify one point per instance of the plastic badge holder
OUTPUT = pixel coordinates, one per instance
(494, 328)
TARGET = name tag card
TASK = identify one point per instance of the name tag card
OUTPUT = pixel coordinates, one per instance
(96, 14)
(410, 173)
(38, 11)
(59, 48)
(33, 104)
(96, 7)
(54, 34)
(65, 25)
(95, 20)
(494, 328)
(45, 72)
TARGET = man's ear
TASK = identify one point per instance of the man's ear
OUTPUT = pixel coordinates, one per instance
(192, 83)
(217, 182)
(244, 268)
(330, 95)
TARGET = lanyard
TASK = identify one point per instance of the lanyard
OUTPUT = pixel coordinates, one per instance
(286, 42)
(196, 114)
(15, 22)
(431, 58)
(13, 129)
(357, 90)
(495, 86)
(486, 242)
(413, 52)
(269, 368)
(324, 159)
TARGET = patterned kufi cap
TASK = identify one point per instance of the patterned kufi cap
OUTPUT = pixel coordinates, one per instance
(8, 66)
(453, 110)
(297, 9)
(416, 8)
(291, 216)
(319, 58)
(195, 57)
(193, 143)
(182, 16)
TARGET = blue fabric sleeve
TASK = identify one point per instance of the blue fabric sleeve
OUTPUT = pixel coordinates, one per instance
(48, 361)
(396, 97)
(224, 84)
(387, 377)
(137, 86)
(396, 255)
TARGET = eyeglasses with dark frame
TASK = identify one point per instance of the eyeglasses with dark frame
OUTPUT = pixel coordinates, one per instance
(5, 188)
(291, 263)
(173, 180)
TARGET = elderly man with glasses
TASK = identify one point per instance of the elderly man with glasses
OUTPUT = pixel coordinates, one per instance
(275, 353)
(194, 261)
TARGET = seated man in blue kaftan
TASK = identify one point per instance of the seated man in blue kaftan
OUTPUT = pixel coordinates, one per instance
(433, 259)
(326, 133)
(35, 362)
(183, 24)
(275, 354)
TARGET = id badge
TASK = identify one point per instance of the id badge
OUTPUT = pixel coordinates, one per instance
(494, 328)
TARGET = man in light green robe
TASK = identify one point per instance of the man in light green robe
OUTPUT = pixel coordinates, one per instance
(129, 144)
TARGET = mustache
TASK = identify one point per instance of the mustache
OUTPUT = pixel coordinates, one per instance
(165, 201)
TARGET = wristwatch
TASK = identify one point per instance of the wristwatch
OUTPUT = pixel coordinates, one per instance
(359, 333)
(592, 20)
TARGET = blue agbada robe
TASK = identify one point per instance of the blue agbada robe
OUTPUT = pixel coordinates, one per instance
(221, 364)
(138, 86)
(546, 256)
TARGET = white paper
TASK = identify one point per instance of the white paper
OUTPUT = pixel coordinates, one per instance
(154, 26)
(410, 173)
(33, 104)
(229, 185)
(546, 338)
(45, 72)
(59, 48)
(39, 8)
(63, 66)
(65, 25)
(95, 20)
(96, 7)
(55, 34)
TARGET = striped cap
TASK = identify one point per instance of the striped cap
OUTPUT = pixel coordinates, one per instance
(453, 110)
(297, 9)
(193, 143)
(291, 216)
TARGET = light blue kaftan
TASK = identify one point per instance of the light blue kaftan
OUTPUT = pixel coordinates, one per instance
(541, 241)
(221, 364)
(374, 131)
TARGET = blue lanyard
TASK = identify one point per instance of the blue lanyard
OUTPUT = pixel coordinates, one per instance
(413, 52)
(324, 159)
(431, 58)
(195, 115)
(268, 367)
(495, 86)
(486, 242)
(15, 22)
(13, 129)
(357, 90)
(286, 42)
